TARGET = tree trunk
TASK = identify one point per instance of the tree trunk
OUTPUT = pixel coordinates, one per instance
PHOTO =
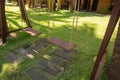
(113, 71)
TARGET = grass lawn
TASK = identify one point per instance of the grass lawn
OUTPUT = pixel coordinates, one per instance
(87, 37)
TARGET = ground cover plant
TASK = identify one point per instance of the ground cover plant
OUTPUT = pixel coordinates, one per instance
(87, 36)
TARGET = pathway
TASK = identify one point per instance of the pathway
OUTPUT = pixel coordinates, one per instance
(53, 64)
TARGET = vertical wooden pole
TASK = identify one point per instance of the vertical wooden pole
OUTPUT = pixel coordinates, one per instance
(110, 28)
(102, 63)
(3, 22)
(23, 13)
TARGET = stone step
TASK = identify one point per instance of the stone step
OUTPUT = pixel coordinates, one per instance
(37, 45)
(54, 70)
(21, 52)
(43, 64)
(49, 67)
(55, 60)
(34, 74)
(64, 54)
(12, 58)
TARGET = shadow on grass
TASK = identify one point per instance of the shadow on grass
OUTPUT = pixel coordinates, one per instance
(84, 37)
(59, 15)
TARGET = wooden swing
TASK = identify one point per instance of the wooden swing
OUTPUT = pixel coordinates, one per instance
(29, 28)
(3, 23)
(68, 46)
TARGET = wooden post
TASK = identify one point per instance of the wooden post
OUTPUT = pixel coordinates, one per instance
(110, 28)
(3, 23)
(102, 63)
(23, 13)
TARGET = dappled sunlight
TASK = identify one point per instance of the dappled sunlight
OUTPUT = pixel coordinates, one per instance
(35, 51)
(13, 35)
(13, 8)
(87, 37)
(82, 79)
(57, 15)
(7, 67)
(47, 57)
(30, 56)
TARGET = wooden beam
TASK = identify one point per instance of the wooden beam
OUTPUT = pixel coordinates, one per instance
(102, 63)
(3, 23)
(24, 13)
(110, 28)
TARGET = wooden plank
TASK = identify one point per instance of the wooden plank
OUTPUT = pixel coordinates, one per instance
(68, 46)
(31, 31)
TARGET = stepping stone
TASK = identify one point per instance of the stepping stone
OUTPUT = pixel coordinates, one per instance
(53, 59)
(58, 61)
(21, 52)
(68, 46)
(43, 64)
(11, 57)
(64, 54)
(54, 70)
(29, 50)
(42, 43)
(34, 74)
(49, 67)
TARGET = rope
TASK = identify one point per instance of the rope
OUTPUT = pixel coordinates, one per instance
(27, 21)
(77, 14)
(48, 13)
(71, 38)
(20, 15)
(25, 13)
(53, 12)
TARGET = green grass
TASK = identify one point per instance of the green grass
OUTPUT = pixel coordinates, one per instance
(87, 37)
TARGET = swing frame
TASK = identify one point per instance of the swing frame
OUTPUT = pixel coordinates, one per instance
(67, 46)
(4, 32)
(109, 31)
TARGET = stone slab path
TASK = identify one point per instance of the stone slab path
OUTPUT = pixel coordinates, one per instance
(52, 66)
(34, 74)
